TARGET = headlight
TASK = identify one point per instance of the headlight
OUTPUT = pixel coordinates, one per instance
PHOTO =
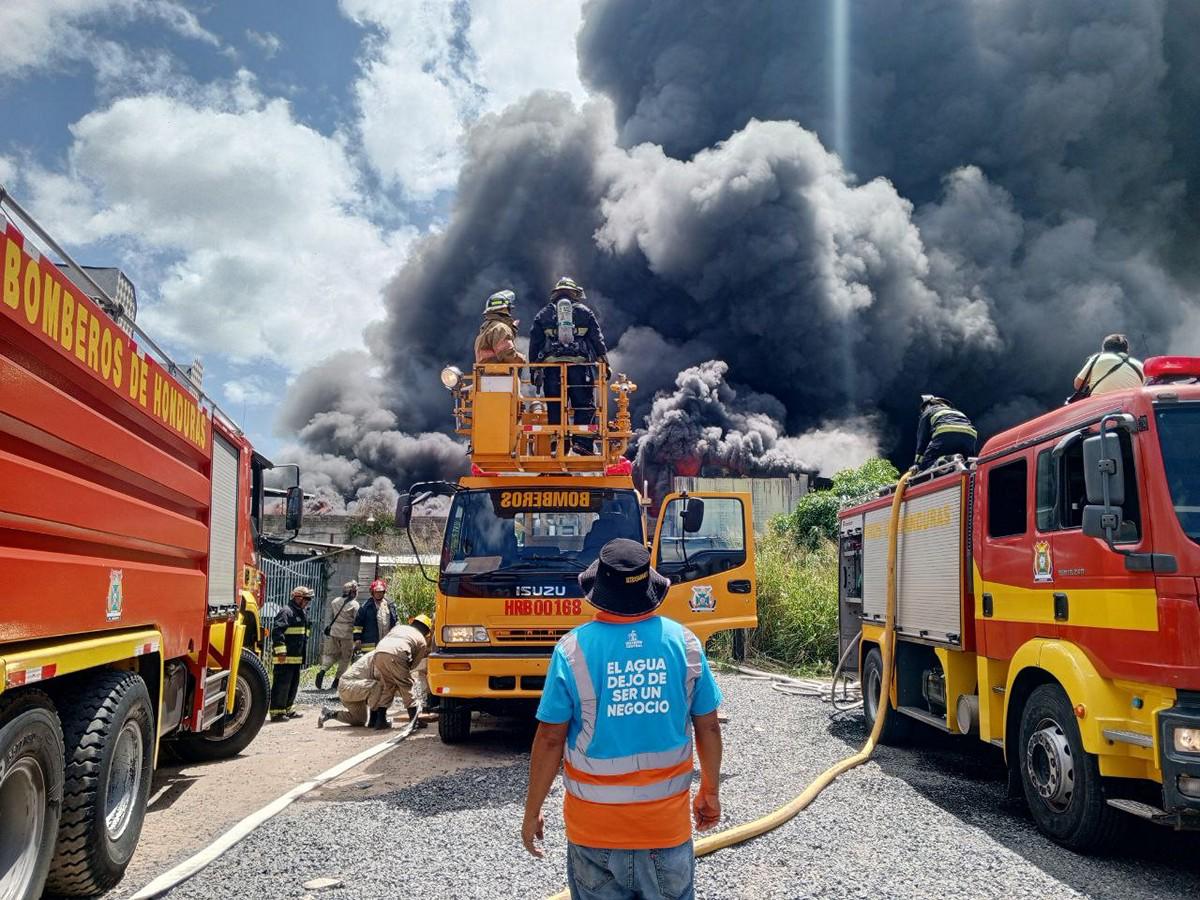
(451, 377)
(1187, 740)
(464, 634)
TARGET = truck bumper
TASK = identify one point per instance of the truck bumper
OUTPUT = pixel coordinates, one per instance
(511, 676)
(1180, 771)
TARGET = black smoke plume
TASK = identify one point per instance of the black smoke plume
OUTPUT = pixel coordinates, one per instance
(1018, 180)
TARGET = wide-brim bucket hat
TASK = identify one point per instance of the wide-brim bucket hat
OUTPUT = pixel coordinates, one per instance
(621, 581)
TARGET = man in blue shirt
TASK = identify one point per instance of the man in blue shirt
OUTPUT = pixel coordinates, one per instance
(623, 697)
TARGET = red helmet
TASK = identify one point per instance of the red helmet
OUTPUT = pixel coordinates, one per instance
(378, 585)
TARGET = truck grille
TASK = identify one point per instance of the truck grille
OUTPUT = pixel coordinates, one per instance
(528, 635)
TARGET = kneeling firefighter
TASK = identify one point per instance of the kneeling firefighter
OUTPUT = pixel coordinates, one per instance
(942, 432)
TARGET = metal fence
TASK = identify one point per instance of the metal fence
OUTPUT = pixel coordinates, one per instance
(283, 576)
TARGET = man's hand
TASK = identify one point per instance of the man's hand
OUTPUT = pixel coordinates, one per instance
(706, 808)
(531, 829)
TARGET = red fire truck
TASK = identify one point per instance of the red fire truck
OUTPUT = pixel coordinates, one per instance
(129, 513)
(1048, 603)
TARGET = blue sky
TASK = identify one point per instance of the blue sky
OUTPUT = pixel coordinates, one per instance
(259, 168)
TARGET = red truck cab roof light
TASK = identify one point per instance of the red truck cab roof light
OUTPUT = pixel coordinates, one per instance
(1163, 366)
(480, 473)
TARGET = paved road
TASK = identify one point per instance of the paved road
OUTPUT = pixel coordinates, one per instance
(924, 822)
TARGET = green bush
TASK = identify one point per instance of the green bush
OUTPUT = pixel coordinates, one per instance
(411, 593)
(814, 519)
(797, 605)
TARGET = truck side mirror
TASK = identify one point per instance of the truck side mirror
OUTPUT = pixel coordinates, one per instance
(1097, 520)
(293, 508)
(693, 515)
(404, 511)
(1103, 460)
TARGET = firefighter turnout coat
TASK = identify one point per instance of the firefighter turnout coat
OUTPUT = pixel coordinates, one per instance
(289, 635)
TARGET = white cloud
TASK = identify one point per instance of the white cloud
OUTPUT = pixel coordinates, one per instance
(8, 172)
(254, 220)
(40, 35)
(431, 70)
(248, 391)
(267, 42)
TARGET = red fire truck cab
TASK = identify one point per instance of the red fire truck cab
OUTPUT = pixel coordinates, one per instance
(1048, 602)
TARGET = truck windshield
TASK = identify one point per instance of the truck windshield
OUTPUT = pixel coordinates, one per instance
(1179, 434)
(549, 530)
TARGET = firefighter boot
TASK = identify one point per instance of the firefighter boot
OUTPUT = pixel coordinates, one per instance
(412, 714)
(333, 687)
(381, 722)
(321, 680)
(327, 713)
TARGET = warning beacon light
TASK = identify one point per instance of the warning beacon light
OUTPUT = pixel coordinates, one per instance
(451, 377)
(1160, 369)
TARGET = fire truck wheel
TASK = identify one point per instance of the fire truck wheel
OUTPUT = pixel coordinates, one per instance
(108, 731)
(1061, 780)
(896, 728)
(234, 733)
(31, 782)
(454, 721)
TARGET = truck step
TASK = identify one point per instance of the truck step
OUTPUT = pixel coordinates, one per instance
(925, 716)
(1141, 810)
(1136, 738)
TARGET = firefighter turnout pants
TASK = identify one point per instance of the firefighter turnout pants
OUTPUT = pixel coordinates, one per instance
(946, 445)
(285, 682)
(581, 397)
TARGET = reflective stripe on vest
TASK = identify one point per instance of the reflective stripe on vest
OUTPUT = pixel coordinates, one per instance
(628, 793)
(937, 426)
(580, 763)
(296, 629)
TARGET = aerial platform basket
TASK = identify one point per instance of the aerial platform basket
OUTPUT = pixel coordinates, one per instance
(498, 407)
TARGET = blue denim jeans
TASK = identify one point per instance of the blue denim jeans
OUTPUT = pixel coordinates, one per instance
(596, 873)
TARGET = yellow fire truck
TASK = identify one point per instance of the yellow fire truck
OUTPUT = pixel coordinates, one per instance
(533, 515)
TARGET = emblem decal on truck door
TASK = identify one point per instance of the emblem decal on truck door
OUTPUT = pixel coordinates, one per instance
(116, 596)
(702, 599)
(1043, 566)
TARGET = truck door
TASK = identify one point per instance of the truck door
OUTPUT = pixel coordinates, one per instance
(1096, 602)
(1013, 602)
(713, 585)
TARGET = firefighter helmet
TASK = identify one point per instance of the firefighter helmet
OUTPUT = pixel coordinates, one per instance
(378, 585)
(566, 287)
(501, 300)
(424, 620)
(302, 591)
(928, 400)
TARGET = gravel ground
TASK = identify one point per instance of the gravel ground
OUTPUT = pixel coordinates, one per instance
(929, 821)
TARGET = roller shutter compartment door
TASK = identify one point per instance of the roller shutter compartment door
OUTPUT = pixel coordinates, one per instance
(222, 539)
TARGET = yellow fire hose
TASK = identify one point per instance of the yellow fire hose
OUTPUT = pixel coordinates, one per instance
(785, 813)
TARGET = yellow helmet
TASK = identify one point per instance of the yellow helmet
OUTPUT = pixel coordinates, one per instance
(424, 620)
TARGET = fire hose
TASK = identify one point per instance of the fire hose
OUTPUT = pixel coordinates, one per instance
(744, 832)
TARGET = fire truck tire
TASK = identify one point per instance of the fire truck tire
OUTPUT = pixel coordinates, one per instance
(1061, 780)
(251, 698)
(108, 731)
(896, 728)
(31, 782)
(454, 721)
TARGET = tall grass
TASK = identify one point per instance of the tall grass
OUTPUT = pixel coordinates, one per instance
(411, 593)
(797, 606)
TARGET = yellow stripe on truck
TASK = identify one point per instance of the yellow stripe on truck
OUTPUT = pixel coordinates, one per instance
(1120, 609)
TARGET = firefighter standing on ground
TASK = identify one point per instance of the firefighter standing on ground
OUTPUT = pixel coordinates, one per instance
(565, 330)
(942, 432)
(376, 616)
(497, 338)
(623, 696)
(339, 635)
(289, 639)
(1112, 369)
